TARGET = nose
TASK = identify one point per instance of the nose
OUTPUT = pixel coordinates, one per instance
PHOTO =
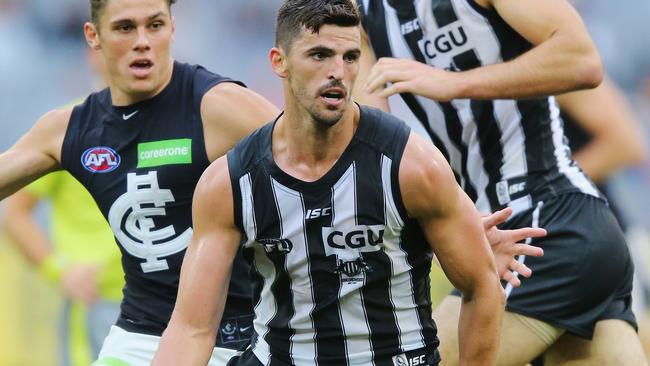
(337, 68)
(142, 41)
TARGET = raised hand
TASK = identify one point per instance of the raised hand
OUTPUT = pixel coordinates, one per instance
(507, 244)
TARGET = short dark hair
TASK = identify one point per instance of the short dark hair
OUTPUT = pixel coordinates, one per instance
(312, 15)
(97, 7)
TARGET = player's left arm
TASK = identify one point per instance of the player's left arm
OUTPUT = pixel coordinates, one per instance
(452, 227)
(205, 273)
(617, 140)
(230, 112)
(563, 58)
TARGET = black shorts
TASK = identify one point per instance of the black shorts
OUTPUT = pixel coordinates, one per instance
(586, 272)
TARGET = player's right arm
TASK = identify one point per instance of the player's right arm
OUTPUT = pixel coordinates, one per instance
(453, 228)
(205, 273)
(36, 153)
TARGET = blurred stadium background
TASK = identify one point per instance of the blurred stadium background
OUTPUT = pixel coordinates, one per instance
(42, 66)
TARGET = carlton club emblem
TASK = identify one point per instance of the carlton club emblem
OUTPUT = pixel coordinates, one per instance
(100, 159)
(131, 219)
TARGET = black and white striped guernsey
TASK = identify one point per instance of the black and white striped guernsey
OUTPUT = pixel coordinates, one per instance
(339, 273)
(503, 152)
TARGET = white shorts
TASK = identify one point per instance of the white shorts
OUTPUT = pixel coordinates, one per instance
(122, 348)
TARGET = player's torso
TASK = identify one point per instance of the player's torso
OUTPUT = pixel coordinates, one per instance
(504, 152)
(338, 242)
(141, 165)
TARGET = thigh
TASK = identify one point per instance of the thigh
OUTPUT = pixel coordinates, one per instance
(586, 272)
(615, 342)
(522, 338)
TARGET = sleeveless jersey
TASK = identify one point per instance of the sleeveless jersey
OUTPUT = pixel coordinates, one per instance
(503, 152)
(141, 164)
(339, 273)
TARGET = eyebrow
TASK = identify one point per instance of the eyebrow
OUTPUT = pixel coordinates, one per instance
(322, 49)
(129, 20)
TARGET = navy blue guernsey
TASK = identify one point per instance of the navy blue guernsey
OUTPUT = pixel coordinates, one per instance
(335, 262)
(141, 164)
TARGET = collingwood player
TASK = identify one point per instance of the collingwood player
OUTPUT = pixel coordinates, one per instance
(475, 75)
(339, 209)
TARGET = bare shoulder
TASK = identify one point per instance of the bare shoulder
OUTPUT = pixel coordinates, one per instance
(56, 119)
(426, 181)
(48, 132)
(213, 194)
(229, 113)
(230, 100)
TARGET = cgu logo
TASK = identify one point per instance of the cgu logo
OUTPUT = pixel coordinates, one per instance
(444, 42)
(362, 238)
(100, 159)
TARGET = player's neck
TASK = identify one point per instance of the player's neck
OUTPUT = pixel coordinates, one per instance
(306, 150)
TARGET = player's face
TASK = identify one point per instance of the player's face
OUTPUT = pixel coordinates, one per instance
(321, 70)
(135, 37)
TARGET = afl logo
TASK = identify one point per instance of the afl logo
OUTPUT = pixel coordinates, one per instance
(100, 159)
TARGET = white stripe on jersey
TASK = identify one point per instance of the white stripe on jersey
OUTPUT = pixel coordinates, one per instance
(512, 138)
(248, 214)
(522, 258)
(261, 265)
(354, 321)
(401, 283)
(475, 162)
(562, 153)
(289, 203)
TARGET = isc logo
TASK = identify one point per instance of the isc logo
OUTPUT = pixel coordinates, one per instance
(100, 159)
(403, 360)
(317, 212)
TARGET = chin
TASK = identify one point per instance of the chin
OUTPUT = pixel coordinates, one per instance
(327, 119)
(143, 87)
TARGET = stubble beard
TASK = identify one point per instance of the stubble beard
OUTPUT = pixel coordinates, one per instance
(322, 120)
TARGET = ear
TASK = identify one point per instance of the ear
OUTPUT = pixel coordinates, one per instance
(278, 62)
(92, 36)
(173, 28)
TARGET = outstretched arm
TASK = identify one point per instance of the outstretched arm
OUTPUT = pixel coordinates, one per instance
(205, 273)
(617, 140)
(563, 58)
(453, 228)
(36, 153)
